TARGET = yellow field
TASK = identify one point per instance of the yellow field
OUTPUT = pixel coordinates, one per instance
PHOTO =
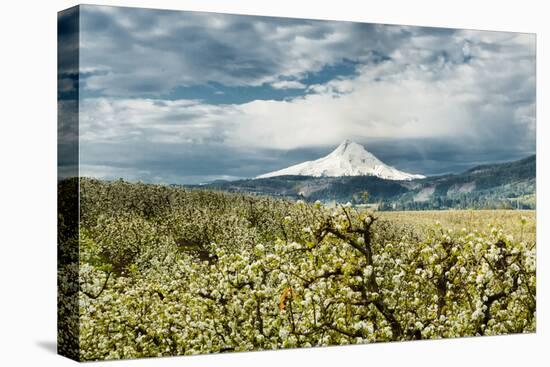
(521, 224)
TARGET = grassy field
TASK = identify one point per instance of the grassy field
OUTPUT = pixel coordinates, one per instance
(521, 224)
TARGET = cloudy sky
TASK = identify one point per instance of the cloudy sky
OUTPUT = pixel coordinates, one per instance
(186, 97)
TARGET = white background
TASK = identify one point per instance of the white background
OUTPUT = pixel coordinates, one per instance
(28, 181)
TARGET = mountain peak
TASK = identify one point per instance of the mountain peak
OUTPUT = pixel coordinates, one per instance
(347, 147)
(345, 143)
(348, 159)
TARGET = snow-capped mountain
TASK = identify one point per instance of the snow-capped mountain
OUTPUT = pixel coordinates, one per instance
(348, 159)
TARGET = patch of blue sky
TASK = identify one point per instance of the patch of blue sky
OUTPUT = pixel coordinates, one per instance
(218, 93)
(345, 68)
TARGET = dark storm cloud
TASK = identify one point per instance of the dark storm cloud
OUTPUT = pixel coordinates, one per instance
(442, 156)
(67, 53)
(148, 52)
(182, 164)
(67, 93)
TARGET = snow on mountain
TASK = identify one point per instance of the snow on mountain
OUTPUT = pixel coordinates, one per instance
(348, 159)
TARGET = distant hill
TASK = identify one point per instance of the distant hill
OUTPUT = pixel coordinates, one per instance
(502, 185)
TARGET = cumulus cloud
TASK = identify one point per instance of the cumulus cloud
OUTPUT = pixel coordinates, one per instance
(488, 99)
(288, 84)
(466, 94)
(154, 121)
(150, 52)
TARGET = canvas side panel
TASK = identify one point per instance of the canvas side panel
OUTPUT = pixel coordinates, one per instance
(67, 183)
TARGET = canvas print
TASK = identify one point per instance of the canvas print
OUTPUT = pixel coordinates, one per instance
(232, 183)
